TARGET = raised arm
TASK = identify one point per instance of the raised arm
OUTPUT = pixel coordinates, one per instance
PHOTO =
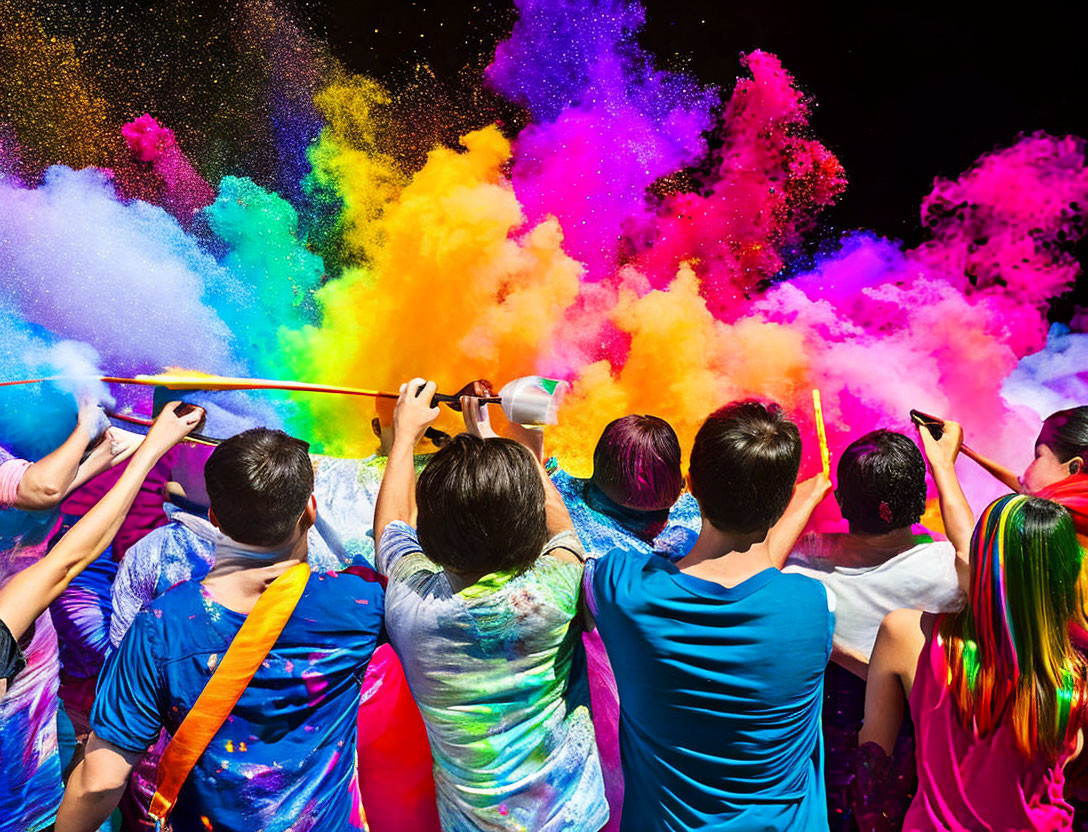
(783, 535)
(28, 594)
(397, 495)
(959, 520)
(53, 477)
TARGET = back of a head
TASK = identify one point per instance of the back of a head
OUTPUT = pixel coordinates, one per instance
(259, 483)
(1012, 641)
(881, 483)
(637, 462)
(744, 466)
(1066, 433)
(481, 506)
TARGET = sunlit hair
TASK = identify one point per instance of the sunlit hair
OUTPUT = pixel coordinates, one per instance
(1009, 649)
(638, 458)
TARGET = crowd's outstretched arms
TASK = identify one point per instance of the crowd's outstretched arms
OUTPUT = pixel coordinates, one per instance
(45, 483)
(411, 418)
(31, 591)
(784, 534)
(959, 520)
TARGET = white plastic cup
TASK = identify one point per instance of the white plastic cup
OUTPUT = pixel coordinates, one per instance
(533, 400)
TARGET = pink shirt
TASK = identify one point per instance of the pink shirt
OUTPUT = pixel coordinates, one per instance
(966, 783)
(11, 472)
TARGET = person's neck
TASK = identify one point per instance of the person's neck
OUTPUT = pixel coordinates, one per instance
(726, 558)
(463, 580)
(862, 549)
(237, 582)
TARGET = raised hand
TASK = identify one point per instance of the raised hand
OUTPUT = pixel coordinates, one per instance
(942, 452)
(170, 427)
(413, 413)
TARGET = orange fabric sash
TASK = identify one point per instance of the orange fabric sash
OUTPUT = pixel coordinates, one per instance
(232, 676)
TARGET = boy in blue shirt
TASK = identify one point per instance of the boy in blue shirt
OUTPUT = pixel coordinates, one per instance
(719, 658)
(286, 755)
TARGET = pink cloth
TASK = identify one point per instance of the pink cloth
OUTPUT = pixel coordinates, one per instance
(146, 513)
(605, 701)
(11, 472)
(396, 779)
(966, 783)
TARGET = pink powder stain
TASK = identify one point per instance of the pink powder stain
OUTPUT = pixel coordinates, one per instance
(316, 685)
(184, 191)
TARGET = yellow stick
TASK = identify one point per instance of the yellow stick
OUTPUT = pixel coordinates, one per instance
(821, 432)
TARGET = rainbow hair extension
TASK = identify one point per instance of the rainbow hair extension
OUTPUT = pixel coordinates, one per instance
(1009, 651)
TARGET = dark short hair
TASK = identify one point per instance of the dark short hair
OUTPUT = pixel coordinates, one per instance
(1066, 433)
(744, 466)
(481, 506)
(882, 483)
(638, 457)
(259, 483)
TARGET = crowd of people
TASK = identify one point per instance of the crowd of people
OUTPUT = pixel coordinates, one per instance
(251, 637)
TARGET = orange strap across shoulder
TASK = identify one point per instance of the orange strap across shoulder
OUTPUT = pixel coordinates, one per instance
(232, 676)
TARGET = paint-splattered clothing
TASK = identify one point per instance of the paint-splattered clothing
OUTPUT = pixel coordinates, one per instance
(285, 759)
(603, 526)
(30, 785)
(494, 671)
(180, 551)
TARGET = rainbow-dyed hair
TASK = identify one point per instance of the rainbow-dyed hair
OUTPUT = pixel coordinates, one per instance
(1009, 648)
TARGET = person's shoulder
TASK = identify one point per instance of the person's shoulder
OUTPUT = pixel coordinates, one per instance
(358, 591)
(183, 594)
(625, 564)
(905, 627)
(354, 582)
(797, 585)
(569, 487)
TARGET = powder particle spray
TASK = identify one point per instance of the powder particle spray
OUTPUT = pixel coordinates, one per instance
(601, 243)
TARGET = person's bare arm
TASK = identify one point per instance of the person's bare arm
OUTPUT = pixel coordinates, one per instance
(891, 675)
(783, 535)
(31, 591)
(95, 787)
(48, 481)
(850, 659)
(959, 520)
(397, 495)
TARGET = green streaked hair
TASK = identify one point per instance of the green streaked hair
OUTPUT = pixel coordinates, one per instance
(1010, 648)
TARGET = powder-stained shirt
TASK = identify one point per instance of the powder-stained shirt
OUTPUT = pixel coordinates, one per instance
(496, 671)
(603, 526)
(285, 758)
(720, 691)
(922, 577)
(30, 784)
(184, 549)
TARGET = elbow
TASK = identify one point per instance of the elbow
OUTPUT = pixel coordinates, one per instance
(38, 496)
(51, 493)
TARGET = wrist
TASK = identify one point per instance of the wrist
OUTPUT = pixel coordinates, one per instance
(943, 468)
(404, 444)
(146, 456)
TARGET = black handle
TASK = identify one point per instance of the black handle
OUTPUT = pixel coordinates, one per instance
(934, 425)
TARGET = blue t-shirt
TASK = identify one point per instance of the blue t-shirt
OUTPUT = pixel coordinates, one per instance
(720, 692)
(287, 752)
